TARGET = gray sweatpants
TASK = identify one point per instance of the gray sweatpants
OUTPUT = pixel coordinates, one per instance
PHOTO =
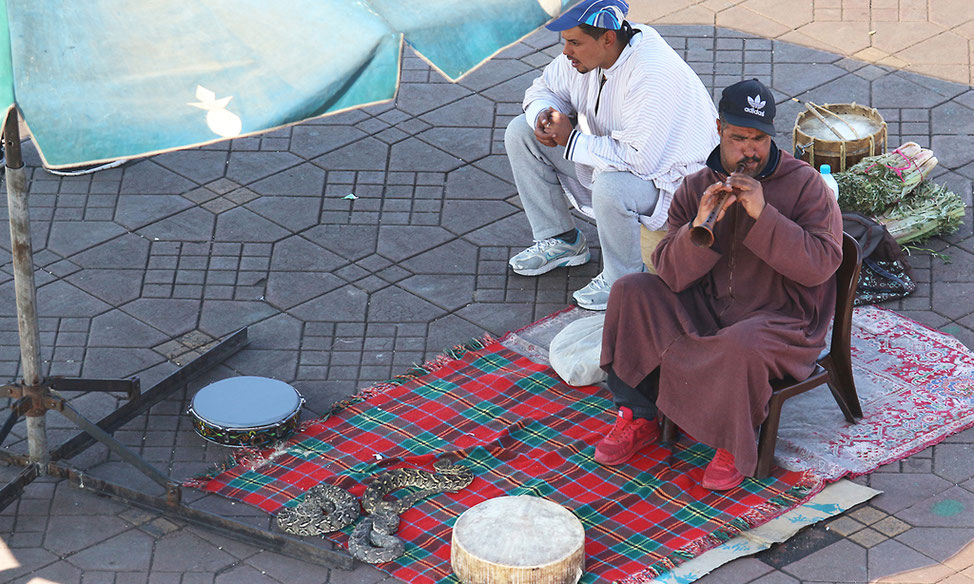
(618, 198)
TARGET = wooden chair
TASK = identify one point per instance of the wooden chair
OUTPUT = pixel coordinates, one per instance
(833, 368)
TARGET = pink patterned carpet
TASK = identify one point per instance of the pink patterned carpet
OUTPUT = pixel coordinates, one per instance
(916, 387)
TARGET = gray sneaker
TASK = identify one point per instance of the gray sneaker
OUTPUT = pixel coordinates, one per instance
(594, 296)
(551, 253)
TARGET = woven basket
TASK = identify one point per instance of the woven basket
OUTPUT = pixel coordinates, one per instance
(840, 154)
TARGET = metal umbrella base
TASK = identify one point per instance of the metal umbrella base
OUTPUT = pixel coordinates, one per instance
(35, 396)
(169, 504)
(45, 398)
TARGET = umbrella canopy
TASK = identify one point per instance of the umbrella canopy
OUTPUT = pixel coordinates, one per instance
(106, 79)
(103, 80)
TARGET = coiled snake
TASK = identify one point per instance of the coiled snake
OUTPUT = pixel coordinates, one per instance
(327, 508)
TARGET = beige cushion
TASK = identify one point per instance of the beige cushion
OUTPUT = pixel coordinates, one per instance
(648, 240)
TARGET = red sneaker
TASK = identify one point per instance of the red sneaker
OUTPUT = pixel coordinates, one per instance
(626, 438)
(721, 474)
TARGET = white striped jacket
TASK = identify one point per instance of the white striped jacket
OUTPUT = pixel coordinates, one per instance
(655, 117)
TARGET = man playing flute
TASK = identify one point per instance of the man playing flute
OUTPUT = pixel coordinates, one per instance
(701, 340)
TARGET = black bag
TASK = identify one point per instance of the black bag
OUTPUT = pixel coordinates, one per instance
(885, 273)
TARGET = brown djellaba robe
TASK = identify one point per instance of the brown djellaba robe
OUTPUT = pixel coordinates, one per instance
(720, 322)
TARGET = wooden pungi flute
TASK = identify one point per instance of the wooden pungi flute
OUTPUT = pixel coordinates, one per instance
(703, 235)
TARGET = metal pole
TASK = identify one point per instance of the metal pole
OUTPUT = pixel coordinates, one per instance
(23, 263)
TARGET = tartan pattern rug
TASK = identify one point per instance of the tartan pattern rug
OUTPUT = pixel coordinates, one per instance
(522, 432)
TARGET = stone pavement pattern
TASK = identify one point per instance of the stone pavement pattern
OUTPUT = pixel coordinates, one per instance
(141, 266)
(932, 37)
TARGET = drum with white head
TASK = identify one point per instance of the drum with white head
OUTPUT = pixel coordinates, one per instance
(246, 411)
(516, 540)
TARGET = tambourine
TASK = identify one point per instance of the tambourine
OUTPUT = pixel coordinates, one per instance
(246, 411)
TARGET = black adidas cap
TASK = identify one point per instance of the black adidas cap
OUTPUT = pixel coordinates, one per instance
(749, 104)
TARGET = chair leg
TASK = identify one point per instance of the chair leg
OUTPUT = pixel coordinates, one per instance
(843, 387)
(847, 384)
(768, 439)
(841, 399)
(669, 429)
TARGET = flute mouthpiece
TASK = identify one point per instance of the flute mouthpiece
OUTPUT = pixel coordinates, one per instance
(741, 167)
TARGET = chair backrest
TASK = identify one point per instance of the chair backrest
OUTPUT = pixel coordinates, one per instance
(846, 281)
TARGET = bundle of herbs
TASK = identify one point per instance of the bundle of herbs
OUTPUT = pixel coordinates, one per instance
(892, 188)
(929, 210)
(877, 182)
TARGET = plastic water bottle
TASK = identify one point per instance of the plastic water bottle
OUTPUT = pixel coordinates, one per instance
(826, 171)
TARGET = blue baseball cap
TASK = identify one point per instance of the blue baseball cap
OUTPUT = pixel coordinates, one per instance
(608, 14)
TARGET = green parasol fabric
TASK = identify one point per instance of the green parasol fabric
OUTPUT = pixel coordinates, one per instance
(106, 79)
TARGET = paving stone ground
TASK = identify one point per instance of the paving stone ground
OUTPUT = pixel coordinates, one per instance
(141, 266)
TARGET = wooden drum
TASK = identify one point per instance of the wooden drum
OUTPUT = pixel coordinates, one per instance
(838, 134)
(518, 540)
(246, 411)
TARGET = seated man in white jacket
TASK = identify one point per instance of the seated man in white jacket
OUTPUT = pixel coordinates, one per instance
(615, 123)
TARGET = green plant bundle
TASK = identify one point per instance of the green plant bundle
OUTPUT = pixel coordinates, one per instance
(877, 182)
(929, 210)
(868, 192)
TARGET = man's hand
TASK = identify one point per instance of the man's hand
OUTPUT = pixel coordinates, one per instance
(749, 192)
(738, 187)
(552, 127)
(541, 126)
(711, 197)
(559, 128)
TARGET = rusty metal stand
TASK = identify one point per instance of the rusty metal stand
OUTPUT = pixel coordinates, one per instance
(35, 396)
(47, 398)
(170, 503)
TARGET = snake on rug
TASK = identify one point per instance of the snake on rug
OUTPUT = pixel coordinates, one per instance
(373, 540)
(325, 508)
(328, 508)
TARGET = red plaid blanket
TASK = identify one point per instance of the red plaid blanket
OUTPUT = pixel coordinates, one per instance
(522, 432)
